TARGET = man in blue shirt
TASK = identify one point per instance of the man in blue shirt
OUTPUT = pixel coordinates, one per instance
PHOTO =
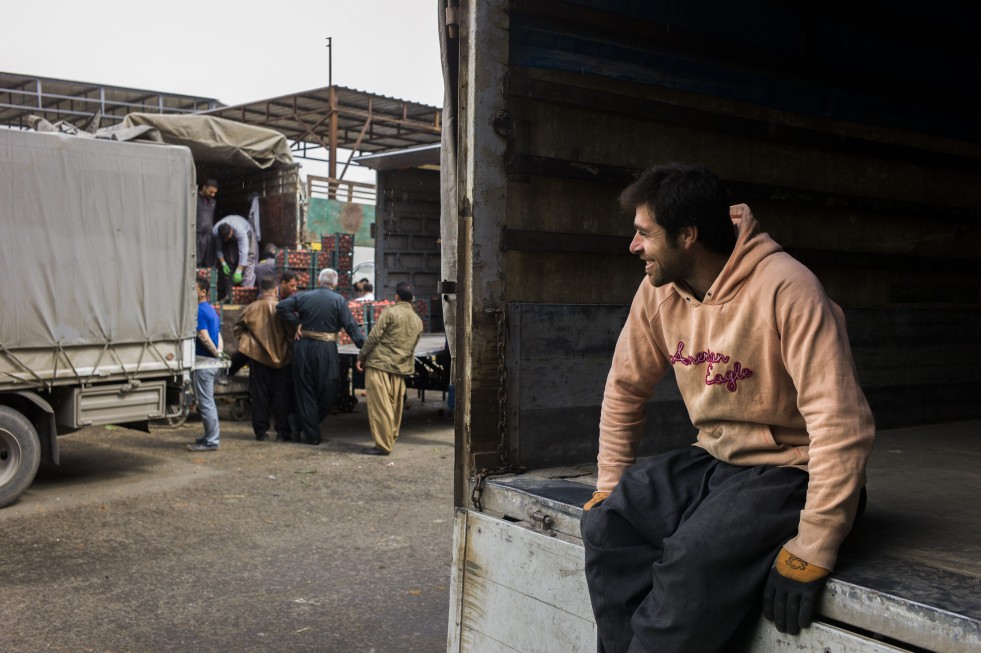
(208, 345)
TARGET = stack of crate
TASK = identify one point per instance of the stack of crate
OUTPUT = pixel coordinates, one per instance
(366, 314)
(242, 296)
(300, 262)
(361, 315)
(337, 252)
(211, 276)
(422, 310)
(375, 310)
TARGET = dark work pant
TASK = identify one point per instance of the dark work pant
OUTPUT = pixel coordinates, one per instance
(676, 557)
(271, 390)
(205, 247)
(316, 381)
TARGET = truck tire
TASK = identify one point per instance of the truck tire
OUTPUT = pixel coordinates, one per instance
(178, 417)
(20, 454)
(241, 410)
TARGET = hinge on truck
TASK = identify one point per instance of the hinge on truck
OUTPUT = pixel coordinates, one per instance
(541, 522)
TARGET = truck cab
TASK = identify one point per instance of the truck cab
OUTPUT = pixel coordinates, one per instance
(865, 172)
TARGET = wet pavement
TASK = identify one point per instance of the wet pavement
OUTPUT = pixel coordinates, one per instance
(135, 544)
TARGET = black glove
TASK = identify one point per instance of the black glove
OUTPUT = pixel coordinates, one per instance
(790, 604)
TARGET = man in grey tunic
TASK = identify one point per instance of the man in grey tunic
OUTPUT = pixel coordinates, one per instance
(237, 250)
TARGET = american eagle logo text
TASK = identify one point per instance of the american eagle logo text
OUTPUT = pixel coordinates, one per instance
(711, 358)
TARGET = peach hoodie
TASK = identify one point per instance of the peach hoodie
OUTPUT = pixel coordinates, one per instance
(764, 366)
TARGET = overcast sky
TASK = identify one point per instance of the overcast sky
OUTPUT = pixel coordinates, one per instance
(232, 50)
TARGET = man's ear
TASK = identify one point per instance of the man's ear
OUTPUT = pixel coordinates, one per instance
(688, 236)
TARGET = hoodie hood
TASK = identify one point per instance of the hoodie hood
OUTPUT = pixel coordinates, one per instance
(752, 246)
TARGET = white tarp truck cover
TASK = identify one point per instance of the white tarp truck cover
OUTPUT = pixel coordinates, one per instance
(96, 257)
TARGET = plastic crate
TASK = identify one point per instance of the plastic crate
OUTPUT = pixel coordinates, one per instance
(243, 295)
(303, 278)
(345, 243)
(211, 276)
(326, 260)
(294, 259)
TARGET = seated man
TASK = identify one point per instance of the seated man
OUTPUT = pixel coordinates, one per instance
(680, 545)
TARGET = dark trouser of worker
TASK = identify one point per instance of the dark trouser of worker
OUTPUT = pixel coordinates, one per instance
(386, 399)
(205, 249)
(677, 556)
(270, 390)
(316, 382)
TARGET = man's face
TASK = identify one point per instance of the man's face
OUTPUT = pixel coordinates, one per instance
(208, 192)
(202, 294)
(287, 288)
(231, 234)
(665, 261)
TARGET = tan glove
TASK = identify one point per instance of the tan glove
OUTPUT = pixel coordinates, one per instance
(598, 498)
(792, 592)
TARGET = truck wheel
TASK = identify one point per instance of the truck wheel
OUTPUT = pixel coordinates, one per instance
(20, 454)
(241, 410)
(178, 417)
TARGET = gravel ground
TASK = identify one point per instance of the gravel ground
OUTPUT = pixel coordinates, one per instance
(135, 544)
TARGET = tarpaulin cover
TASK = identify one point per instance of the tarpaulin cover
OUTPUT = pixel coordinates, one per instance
(211, 139)
(96, 242)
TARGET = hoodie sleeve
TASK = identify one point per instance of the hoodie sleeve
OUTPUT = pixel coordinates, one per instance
(817, 355)
(637, 367)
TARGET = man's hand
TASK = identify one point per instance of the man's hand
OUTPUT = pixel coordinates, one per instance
(224, 268)
(598, 498)
(792, 591)
(359, 366)
(237, 277)
(299, 332)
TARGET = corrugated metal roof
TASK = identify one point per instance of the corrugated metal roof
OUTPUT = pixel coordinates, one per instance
(79, 102)
(366, 123)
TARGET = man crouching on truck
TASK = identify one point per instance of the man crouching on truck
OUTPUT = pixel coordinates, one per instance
(680, 546)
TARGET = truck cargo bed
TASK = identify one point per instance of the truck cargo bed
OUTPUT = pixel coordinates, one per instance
(911, 568)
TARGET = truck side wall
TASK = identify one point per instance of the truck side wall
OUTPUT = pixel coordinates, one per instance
(559, 110)
(97, 253)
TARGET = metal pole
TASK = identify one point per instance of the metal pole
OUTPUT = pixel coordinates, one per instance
(332, 134)
(330, 62)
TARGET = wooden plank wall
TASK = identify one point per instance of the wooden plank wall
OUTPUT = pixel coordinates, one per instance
(889, 220)
(869, 178)
(558, 360)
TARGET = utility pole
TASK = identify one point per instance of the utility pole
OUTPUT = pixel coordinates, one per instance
(332, 124)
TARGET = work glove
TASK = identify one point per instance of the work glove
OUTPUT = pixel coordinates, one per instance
(597, 499)
(237, 277)
(224, 268)
(792, 591)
